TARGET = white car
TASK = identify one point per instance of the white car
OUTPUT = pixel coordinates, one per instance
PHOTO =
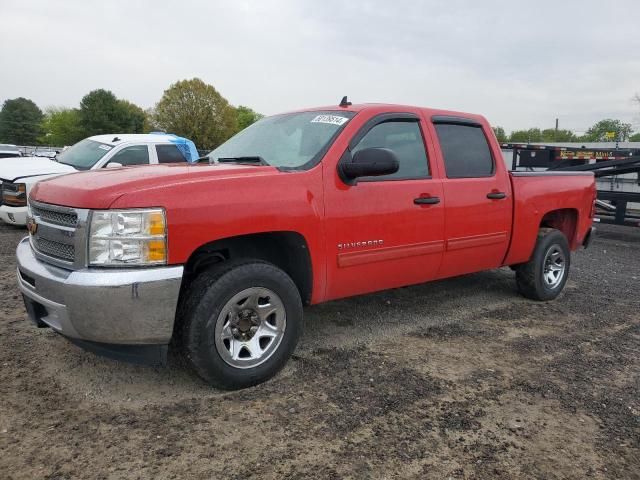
(9, 151)
(18, 175)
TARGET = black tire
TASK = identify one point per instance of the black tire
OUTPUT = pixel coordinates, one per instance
(199, 312)
(530, 276)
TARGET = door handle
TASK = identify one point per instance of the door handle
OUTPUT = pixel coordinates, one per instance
(496, 195)
(426, 200)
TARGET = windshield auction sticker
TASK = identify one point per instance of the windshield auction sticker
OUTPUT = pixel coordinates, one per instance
(331, 119)
(104, 147)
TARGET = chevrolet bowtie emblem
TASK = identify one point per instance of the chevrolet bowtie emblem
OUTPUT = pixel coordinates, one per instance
(32, 226)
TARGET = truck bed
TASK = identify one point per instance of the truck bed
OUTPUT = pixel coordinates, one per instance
(535, 194)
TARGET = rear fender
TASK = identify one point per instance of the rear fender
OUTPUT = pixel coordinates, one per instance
(524, 239)
(565, 220)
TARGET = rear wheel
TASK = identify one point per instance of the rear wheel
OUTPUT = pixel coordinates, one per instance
(545, 275)
(241, 323)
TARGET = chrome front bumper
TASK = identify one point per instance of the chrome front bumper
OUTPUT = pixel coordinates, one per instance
(106, 306)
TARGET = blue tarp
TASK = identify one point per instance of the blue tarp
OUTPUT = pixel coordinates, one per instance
(186, 146)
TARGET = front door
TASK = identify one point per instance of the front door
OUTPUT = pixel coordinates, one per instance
(381, 232)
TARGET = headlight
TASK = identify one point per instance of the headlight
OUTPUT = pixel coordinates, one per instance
(14, 194)
(128, 237)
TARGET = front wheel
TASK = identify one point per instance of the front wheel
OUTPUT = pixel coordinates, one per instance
(241, 323)
(545, 275)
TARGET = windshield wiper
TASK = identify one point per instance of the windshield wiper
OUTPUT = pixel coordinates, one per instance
(248, 159)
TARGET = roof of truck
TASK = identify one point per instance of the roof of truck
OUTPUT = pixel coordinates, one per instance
(119, 138)
(382, 107)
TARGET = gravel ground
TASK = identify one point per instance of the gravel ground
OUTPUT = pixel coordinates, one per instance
(456, 379)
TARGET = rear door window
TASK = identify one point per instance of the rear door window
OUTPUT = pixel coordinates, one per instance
(169, 154)
(465, 150)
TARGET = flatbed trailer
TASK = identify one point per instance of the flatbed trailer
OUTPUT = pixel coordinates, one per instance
(612, 205)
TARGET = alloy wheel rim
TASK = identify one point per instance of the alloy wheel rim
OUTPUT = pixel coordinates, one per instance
(554, 266)
(250, 327)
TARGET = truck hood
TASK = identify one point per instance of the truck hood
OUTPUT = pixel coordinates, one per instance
(15, 169)
(100, 188)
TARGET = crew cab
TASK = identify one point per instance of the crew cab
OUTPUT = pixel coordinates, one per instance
(18, 175)
(297, 209)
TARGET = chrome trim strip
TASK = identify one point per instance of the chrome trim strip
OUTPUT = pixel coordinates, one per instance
(349, 259)
(460, 243)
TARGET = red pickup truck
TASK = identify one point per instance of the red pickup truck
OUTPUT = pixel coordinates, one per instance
(297, 209)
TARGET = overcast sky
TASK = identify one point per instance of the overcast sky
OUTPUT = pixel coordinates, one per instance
(520, 64)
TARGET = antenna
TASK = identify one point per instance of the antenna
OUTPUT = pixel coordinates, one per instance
(344, 102)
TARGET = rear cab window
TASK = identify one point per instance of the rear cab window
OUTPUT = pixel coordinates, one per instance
(465, 150)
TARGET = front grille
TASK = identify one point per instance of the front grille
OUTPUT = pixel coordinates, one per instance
(53, 249)
(56, 232)
(67, 219)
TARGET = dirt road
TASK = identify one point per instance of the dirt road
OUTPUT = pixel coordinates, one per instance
(456, 379)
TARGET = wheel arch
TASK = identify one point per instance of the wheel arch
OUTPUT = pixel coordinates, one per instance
(565, 220)
(528, 225)
(288, 250)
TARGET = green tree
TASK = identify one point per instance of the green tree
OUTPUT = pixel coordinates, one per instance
(598, 132)
(500, 134)
(149, 124)
(553, 135)
(194, 109)
(533, 135)
(133, 118)
(245, 116)
(20, 122)
(102, 112)
(62, 126)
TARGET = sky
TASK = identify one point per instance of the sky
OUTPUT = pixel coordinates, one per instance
(521, 64)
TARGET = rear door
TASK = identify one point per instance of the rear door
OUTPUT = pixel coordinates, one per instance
(386, 231)
(477, 195)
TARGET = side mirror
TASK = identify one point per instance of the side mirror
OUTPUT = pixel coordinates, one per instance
(113, 165)
(370, 162)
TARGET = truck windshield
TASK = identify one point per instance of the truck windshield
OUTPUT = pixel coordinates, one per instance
(84, 154)
(288, 141)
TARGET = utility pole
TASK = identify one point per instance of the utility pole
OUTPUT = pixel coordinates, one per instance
(555, 135)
